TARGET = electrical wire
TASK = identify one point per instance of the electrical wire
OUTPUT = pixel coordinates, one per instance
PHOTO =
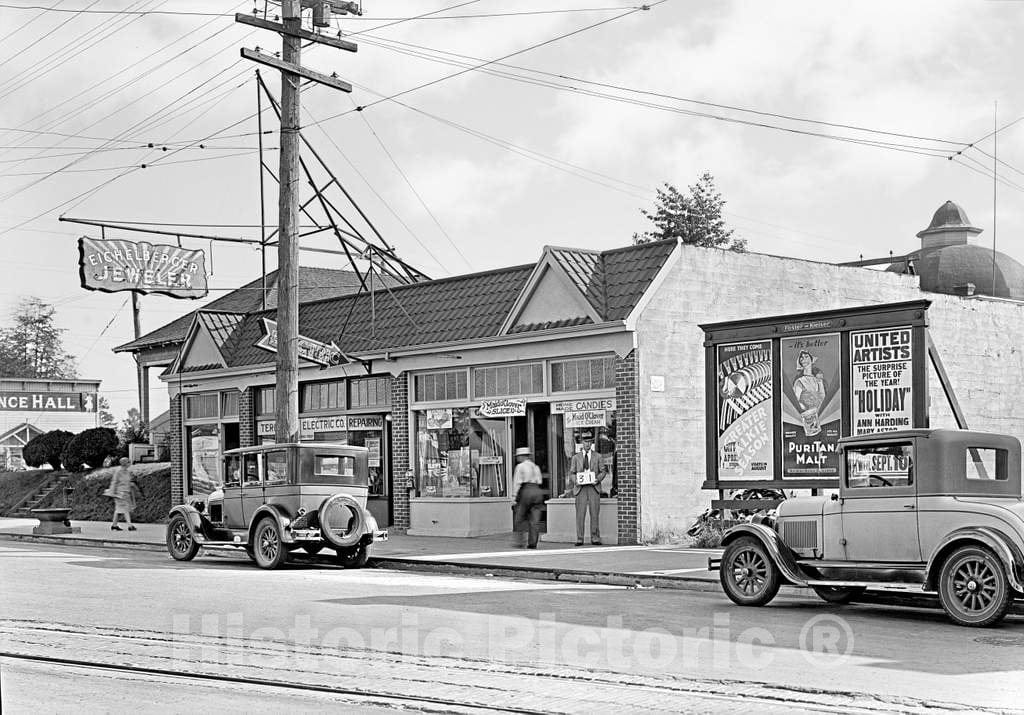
(250, 152)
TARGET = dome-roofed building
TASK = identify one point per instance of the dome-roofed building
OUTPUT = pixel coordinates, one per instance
(949, 262)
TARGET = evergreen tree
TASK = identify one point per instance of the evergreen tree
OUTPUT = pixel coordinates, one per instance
(32, 346)
(696, 218)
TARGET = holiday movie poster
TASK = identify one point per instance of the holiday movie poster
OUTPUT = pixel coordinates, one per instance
(744, 379)
(811, 406)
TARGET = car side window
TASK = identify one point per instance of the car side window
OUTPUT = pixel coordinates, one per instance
(888, 465)
(275, 467)
(250, 470)
(986, 464)
(232, 471)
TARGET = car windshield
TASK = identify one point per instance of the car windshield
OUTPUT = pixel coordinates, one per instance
(884, 465)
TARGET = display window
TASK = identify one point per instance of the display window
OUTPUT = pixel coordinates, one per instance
(569, 440)
(459, 454)
(204, 458)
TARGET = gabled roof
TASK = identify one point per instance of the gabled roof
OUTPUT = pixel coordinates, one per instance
(314, 284)
(220, 325)
(20, 435)
(449, 310)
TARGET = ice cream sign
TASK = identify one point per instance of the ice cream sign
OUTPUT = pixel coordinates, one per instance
(143, 267)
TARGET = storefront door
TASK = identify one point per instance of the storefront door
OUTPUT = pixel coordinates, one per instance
(532, 431)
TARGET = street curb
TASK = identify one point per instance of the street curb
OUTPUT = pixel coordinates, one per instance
(458, 568)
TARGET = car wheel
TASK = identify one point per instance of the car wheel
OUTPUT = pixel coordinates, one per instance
(748, 574)
(181, 544)
(973, 588)
(353, 558)
(839, 595)
(268, 550)
(312, 549)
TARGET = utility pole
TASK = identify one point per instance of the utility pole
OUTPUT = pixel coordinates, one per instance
(292, 73)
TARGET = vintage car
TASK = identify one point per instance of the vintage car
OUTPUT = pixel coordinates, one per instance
(282, 497)
(939, 509)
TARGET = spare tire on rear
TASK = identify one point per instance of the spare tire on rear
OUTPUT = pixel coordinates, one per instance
(342, 521)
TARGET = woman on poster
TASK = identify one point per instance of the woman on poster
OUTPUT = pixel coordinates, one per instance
(809, 388)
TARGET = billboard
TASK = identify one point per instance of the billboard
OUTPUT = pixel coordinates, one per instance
(811, 405)
(112, 265)
(48, 401)
(744, 380)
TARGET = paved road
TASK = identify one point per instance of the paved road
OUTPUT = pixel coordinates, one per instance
(318, 638)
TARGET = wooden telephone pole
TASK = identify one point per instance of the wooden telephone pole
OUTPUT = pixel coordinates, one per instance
(292, 74)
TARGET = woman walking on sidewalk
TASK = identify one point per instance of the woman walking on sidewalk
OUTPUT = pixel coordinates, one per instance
(122, 490)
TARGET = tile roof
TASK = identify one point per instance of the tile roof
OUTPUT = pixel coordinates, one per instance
(450, 309)
(314, 284)
(461, 308)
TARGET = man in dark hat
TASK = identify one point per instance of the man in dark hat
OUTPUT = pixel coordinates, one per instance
(587, 469)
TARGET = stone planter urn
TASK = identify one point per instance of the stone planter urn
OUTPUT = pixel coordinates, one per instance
(54, 521)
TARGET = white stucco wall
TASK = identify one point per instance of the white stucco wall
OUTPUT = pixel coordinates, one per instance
(981, 343)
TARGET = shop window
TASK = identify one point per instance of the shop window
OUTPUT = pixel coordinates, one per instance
(229, 403)
(373, 442)
(201, 406)
(204, 458)
(508, 380)
(458, 455)
(442, 386)
(889, 465)
(266, 400)
(584, 374)
(987, 464)
(319, 396)
(369, 392)
(569, 440)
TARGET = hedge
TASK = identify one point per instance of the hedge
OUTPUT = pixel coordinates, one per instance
(89, 504)
(91, 447)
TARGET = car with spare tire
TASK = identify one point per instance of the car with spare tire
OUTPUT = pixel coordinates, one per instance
(277, 499)
(938, 510)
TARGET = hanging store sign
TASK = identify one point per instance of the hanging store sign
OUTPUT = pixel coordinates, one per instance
(882, 379)
(503, 407)
(601, 403)
(47, 402)
(117, 265)
(309, 349)
(588, 418)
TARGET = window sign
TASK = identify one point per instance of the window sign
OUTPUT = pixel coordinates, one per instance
(503, 407)
(745, 440)
(373, 446)
(890, 465)
(439, 419)
(589, 418)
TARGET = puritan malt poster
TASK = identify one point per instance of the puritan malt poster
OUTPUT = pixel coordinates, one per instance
(745, 442)
(811, 393)
(881, 380)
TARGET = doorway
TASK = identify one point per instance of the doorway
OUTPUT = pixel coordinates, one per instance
(531, 430)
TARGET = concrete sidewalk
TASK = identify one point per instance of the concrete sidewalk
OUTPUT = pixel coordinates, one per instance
(665, 566)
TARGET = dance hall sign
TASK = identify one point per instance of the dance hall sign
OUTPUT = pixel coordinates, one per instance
(117, 265)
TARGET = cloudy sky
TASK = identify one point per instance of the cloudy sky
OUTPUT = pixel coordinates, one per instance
(827, 126)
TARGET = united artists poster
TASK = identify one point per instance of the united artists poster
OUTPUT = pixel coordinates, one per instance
(881, 372)
(744, 377)
(811, 406)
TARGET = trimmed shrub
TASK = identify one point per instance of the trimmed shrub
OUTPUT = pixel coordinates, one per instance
(46, 448)
(88, 503)
(90, 447)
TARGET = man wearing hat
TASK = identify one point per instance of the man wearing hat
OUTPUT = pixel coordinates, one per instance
(529, 498)
(584, 465)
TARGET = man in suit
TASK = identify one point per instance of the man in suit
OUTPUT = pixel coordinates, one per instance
(588, 496)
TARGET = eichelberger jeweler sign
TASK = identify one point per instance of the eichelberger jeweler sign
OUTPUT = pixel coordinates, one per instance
(112, 265)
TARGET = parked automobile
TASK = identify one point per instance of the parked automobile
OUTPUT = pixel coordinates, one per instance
(279, 498)
(941, 509)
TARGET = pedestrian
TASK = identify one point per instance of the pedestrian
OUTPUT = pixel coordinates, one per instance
(587, 468)
(529, 499)
(122, 491)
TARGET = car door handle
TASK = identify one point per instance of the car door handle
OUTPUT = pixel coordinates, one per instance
(909, 506)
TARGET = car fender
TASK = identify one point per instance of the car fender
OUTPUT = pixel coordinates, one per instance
(284, 522)
(776, 549)
(1004, 548)
(194, 518)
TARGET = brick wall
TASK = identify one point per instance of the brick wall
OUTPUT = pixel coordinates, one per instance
(981, 343)
(626, 445)
(177, 456)
(400, 451)
(246, 418)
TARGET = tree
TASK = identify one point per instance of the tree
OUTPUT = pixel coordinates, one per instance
(90, 447)
(32, 346)
(696, 218)
(106, 416)
(46, 448)
(133, 430)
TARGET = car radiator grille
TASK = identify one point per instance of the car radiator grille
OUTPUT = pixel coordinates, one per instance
(800, 534)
